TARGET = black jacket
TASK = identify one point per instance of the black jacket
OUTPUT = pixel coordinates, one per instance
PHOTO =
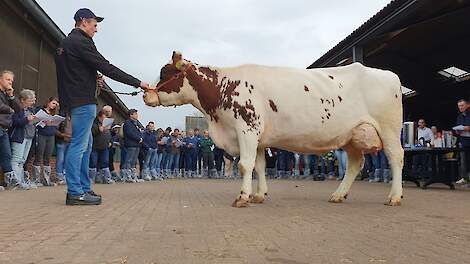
(8, 105)
(101, 140)
(77, 62)
(132, 134)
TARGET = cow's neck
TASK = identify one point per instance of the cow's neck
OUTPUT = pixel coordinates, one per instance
(208, 84)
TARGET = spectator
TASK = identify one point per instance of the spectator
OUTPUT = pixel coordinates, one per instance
(283, 164)
(99, 157)
(327, 163)
(133, 141)
(198, 135)
(305, 161)
(436, 141)
(382, 171)
(166, 156)
(271, 157)
(46, 131)
(112, 151)
(463, 119)
(207, 146)
(160, 149)
(219, 160)
(8, 105)
(150, 143)
(342, 158)
(63, 136)
(190, 144)
(21, 136)
(313, 161)
(176, 152)
(421, 162)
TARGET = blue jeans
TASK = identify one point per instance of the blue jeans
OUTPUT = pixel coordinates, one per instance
(327, 167)
(313, 159)
(190, 160)
(60, 152)
(169, 161)
(165, 157)
(99, 158)
(150, 159)
(158, 161)
(5, 151)
(380, 160)
(19, 154)
(123, 157)
(342, 158)
(78, 154)
(132, 155)
(176, 161)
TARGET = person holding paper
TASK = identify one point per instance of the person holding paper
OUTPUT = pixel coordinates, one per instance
(21, 136)
(463, 120)
(45, 143)
(99, 159)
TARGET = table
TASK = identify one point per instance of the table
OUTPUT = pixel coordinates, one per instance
(437, 175)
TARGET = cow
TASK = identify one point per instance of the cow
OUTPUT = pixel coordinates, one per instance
(252, 107)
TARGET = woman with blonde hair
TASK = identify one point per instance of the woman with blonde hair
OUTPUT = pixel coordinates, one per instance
(21, 136)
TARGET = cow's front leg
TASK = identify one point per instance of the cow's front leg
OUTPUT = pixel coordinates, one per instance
(260, 166)
(248, 146)
(354, 165)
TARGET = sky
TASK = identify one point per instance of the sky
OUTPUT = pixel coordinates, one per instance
(139, 36)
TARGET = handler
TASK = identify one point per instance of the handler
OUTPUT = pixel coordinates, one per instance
(77, 63)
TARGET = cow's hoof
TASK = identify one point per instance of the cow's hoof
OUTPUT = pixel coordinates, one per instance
(241, 201)
(337, 198)
(257, 198)
(393, 202)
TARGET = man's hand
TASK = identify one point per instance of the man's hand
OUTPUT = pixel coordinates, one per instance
(100, 81)
(9, 92)
(466, 128)
(145, 86)
(30, 118)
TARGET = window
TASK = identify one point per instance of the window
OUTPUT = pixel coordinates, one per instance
(455, 73)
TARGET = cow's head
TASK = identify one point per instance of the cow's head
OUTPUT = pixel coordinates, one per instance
(173, 88)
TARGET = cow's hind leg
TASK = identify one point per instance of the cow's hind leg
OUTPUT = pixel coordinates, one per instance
(394, 153)
(248, 146)
(260, 166)
(354, 165)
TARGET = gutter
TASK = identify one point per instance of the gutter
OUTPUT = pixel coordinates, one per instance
(43, 19)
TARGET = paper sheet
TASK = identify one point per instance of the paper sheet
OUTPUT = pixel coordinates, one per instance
(459, 128)
(108, 122)
(42, 117)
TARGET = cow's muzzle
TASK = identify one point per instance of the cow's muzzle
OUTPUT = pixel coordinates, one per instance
(151, 98)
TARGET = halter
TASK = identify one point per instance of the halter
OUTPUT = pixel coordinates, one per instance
(176, 76)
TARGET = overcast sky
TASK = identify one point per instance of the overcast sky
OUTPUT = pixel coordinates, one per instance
(139, 36)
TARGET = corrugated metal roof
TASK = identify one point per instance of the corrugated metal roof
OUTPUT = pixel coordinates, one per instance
(385, 12)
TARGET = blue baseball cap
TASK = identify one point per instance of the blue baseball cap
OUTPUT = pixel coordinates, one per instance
(85, 13)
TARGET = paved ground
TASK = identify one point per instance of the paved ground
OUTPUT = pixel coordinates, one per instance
(191, 221)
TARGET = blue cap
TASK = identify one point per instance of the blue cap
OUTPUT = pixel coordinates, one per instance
(85, 13)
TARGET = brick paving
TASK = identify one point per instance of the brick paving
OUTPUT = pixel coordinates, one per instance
(191, 221)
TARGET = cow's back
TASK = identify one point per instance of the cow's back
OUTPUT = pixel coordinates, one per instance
(306, 109)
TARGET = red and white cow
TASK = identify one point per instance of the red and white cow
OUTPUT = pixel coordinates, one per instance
(252, 107)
